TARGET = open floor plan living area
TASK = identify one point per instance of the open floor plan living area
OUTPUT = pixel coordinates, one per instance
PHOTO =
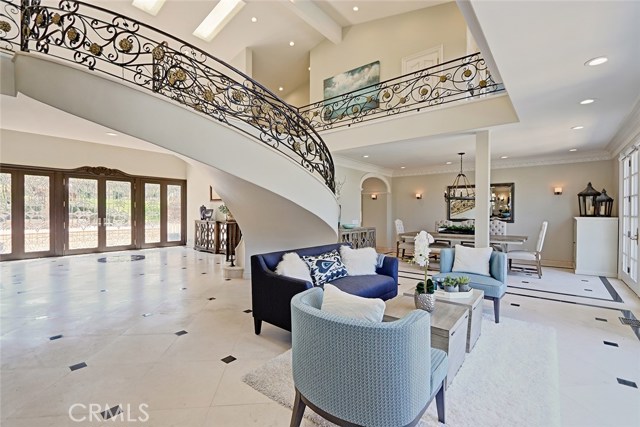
(219, 213)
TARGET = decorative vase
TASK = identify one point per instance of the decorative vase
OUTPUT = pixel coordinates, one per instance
(465, 288)
(230, 217)
(448, 288)
(425, 302)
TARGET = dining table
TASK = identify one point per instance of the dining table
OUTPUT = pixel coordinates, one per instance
(496, 239)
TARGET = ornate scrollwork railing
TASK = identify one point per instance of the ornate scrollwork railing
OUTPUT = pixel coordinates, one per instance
(462, 78)
(111, 43)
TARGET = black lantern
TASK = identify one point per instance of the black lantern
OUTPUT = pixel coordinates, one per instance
(604, 204)
(587, 201)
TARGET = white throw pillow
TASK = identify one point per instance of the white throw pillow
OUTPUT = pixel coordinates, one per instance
(359, 262)
(344, 304)
(472, 260)
(293, 266)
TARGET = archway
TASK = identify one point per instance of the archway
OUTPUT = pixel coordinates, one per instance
(376, 207)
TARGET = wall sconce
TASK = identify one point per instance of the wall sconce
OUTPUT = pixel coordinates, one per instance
(374, 197)
(418, 196)
(557, 191)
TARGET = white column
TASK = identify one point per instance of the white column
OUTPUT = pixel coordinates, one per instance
(483, 190)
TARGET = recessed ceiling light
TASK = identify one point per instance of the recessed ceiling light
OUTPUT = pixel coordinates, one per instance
(280, 88)
(152, 7)
(448, 163)
(292, 43)
(573, 149)
(587, 101)
(355, 8)
(112, 134)
(220, 16)
(366, 156)
(504, 157)
(254, 19)
(577, 127)
(403, 167)
(596, 61)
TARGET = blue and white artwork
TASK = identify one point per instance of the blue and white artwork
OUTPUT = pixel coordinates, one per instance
(352, 80)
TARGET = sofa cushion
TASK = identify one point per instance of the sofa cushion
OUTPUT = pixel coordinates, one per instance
(369, 286)
(359, 262)
(491, 287)
(344, 304)
(272, 259)
(293, 266)
(472, 260)
(325, 267)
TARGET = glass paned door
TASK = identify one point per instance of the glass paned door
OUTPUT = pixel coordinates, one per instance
(37, 195)
(118, 222)
(5, 213)
(174, 213)
(151, 213)
(629, 273)
(82, 229)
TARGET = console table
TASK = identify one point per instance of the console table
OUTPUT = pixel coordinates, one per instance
(218, 237)
(359, 237)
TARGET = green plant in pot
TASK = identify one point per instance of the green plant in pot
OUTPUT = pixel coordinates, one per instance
(463, 284)
(451, 284)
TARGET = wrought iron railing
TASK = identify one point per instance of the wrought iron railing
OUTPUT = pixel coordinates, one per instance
(462, 78)
(124, 48)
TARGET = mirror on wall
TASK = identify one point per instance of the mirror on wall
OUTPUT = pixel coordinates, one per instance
(502, 204)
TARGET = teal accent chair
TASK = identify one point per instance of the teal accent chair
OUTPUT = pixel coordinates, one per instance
(357, 373)
(494, 286)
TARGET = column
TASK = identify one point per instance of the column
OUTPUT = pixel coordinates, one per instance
(483, 190)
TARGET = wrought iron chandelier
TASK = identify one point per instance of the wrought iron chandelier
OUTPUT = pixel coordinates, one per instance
(461, 195)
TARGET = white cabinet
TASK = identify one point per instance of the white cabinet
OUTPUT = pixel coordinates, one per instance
(595, 246)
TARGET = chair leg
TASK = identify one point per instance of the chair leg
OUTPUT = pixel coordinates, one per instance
(403, 254)
(257, 325)
(539, 269)
(510, 264)
(397, 249)
(496, 310)
(440, 404)
(298, 410)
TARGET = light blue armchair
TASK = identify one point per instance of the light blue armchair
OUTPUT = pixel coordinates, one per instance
(357, 373)
(494, 286)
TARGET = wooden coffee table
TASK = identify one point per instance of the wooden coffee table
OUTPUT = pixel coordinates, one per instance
(449, 323)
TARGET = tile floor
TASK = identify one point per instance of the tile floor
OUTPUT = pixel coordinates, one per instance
(127, 321)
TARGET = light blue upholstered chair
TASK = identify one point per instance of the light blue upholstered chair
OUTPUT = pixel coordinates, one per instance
(357, 373)
(494, 286)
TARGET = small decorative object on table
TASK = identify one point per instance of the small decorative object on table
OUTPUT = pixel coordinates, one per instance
(225, 210)
(451, 284)
(463, 284)
(424, 297)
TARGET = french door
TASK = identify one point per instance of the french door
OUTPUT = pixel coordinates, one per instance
(629, 229)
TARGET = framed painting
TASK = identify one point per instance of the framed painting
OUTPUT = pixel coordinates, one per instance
(357, 81)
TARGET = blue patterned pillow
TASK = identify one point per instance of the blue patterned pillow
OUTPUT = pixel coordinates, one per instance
(325, 267)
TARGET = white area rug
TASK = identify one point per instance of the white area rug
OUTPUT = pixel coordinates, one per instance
(509, 379)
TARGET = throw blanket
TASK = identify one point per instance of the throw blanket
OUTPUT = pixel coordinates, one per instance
(380, 260)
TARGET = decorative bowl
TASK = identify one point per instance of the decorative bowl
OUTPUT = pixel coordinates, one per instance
(348, 226)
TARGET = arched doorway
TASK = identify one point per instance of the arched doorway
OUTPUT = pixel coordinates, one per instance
(376, 207)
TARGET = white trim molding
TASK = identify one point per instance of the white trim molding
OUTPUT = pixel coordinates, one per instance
(361, 166)
(628, 133)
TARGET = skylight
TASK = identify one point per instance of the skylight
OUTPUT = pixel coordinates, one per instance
(220, 16)
(152, 7)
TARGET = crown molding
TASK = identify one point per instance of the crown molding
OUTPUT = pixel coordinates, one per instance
(628, 133)
(361, 166)
(590, 156)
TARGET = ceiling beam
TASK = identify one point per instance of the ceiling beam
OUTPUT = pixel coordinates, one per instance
(317, 19)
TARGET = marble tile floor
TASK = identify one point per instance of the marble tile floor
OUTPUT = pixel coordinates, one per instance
(120, 318)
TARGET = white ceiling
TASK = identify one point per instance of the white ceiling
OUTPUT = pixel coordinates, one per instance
(539, 47)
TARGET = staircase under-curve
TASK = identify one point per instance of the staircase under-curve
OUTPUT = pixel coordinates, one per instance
(277, 203)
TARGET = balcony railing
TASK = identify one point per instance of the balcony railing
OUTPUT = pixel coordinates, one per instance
(104, 41)
(462, 78)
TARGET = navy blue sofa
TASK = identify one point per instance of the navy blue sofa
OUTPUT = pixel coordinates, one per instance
(271, 294)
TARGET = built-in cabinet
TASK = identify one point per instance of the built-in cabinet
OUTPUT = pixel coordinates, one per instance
(595, 246)
(218, 237)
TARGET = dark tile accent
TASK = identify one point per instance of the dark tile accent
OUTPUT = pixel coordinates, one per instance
(147, 314)
(588, 290)
(217, 263)
(228, 359)
(612, 344)
(103, 290)
(601, 319)
(22, 292)
(141, 274)
(121, 258)
(558, 293)
(112, 412)
(584, 280)
(515, 305)
(247, 311)
(180, 333)
(212, 298)
(77, 366)
(612, 292)
(59, 265)
(183, 289)
(631, 322)
(184, 268)
(55, 337)
(203, 273)
(627, 383)
(226, 280)
(524, 281)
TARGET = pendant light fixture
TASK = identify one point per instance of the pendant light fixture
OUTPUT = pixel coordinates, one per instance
(461, 195)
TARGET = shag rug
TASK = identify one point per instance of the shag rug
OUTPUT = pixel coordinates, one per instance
(510, 378)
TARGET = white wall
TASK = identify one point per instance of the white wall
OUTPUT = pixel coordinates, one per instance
(534, 201)
(299, 97)
(349, 194)
(199, 179)
(389, 40)
(375, 212)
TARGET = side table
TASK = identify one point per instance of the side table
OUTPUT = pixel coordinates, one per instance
(474, 306)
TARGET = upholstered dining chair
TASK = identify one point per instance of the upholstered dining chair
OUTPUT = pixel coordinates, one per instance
(533, 256)
(355, 373)
(401, 243)
(498, 228)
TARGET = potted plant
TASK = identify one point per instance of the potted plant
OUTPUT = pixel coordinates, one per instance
(424, 296)
(225, 210)
(451, 284)
(463, 284)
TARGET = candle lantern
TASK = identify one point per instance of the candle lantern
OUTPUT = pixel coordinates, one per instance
(587, 201)
(604, 204)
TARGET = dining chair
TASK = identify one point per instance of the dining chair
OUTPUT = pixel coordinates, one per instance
(400, 240)
(498, 228)
(534, 256)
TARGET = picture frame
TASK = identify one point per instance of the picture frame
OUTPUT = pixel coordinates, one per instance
(213, 196)
(362, 77)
